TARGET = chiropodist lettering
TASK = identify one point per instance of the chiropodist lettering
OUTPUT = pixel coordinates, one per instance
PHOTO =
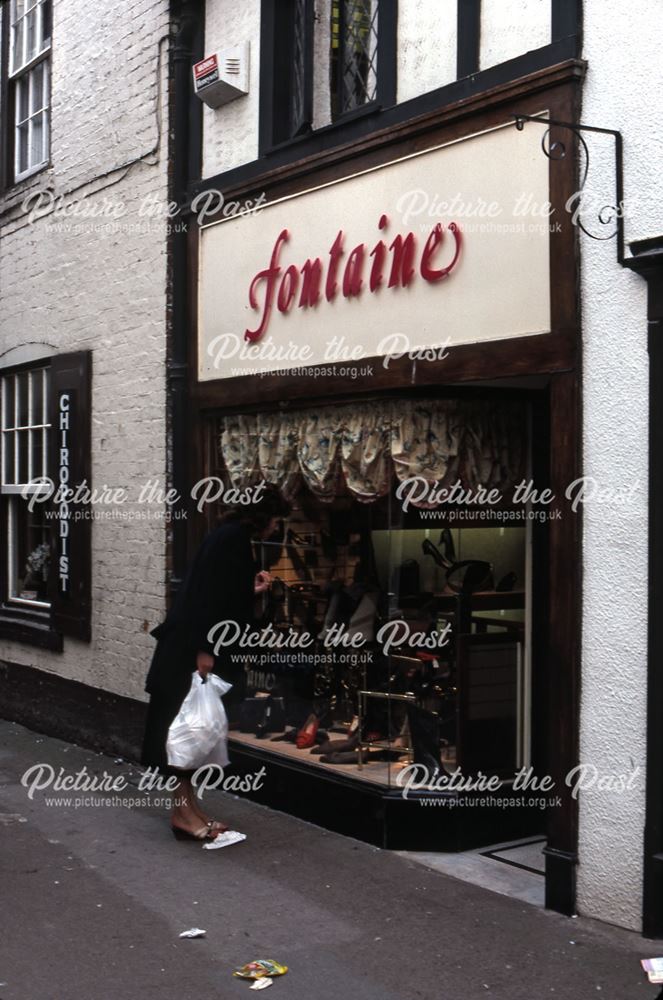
(64, 430)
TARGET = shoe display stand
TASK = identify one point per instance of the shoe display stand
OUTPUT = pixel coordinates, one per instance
(384, 744)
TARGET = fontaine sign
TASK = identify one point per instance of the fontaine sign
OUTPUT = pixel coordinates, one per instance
(445, 247)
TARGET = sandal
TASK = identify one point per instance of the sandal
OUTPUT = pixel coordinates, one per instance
(210, 831)
(204, 833)
(217, 827)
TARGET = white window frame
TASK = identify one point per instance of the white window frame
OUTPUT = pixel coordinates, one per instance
(24, 71)
(13, 490)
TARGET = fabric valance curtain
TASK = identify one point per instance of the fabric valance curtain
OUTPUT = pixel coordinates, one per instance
(358, 448)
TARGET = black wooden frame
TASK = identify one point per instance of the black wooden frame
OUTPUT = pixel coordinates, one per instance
(276, 49)
(468, 37)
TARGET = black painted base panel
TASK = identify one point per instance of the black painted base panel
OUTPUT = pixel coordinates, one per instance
(71, 711)
(380, 816)
(113, 724)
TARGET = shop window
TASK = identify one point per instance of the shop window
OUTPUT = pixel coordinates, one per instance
(415, 618)
(354, 42)
(26, 71)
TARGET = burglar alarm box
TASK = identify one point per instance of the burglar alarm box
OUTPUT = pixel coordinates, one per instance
(222, 76)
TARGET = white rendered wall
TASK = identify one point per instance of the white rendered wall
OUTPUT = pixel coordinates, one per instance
(623, 91)
(91, 284)
(511, 27)
(426, 46)
(230, 133)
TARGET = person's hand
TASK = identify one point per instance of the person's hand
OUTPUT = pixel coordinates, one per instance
(204, 664)
(263, 582)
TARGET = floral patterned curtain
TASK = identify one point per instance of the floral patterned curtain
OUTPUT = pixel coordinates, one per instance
(425, 439)
(278, 461)
(239, 448)
(359, 447)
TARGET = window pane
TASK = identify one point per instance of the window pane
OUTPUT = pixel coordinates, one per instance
(22, 475)
(31, 28)
(37, 88)
(17, 44)
(36, 416)
(44, 453)
(22, 99)
(22, 158)
(18, 10)
(37, 454)
(8, 471)
(46, 23)
(22, 389)
(354, 54)
(46, 392)
(32, 555)
(8, 396)
(37, 140)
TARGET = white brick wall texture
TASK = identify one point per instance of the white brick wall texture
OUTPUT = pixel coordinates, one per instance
(71, 285)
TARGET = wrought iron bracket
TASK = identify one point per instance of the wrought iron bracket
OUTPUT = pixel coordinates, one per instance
(556, 149)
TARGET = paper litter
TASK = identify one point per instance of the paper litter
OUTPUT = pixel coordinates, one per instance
(224, 840)
(194, 932)
(654, 969)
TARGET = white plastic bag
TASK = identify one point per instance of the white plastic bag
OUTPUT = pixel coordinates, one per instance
(198, 734)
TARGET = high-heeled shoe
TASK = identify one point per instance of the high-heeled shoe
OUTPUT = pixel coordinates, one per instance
(351, 742)
(307, 734)
(338, 746)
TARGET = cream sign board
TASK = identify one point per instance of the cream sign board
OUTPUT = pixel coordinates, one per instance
(445, 247)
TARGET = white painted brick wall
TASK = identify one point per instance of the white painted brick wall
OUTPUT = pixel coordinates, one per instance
(70, 287)
(230, 135)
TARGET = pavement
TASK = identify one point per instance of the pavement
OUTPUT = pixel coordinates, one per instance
(95, 895)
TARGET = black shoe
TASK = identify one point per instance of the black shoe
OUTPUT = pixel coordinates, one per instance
(337, 746)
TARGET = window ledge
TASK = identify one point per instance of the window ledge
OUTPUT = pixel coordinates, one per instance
(365, 111)
(30, 172)
(29, 627)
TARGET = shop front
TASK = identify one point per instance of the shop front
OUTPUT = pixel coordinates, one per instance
(389, 340)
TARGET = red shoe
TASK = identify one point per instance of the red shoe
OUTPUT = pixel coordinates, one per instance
(307, 734)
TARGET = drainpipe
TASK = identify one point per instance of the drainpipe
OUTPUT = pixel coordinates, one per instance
(185, 155)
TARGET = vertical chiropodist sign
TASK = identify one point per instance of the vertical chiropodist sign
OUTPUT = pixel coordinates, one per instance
(66, 411)
(70, 461)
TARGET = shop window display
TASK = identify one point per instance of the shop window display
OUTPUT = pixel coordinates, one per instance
(388, 637)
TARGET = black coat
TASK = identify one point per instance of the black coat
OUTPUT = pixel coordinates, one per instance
(219, 585)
